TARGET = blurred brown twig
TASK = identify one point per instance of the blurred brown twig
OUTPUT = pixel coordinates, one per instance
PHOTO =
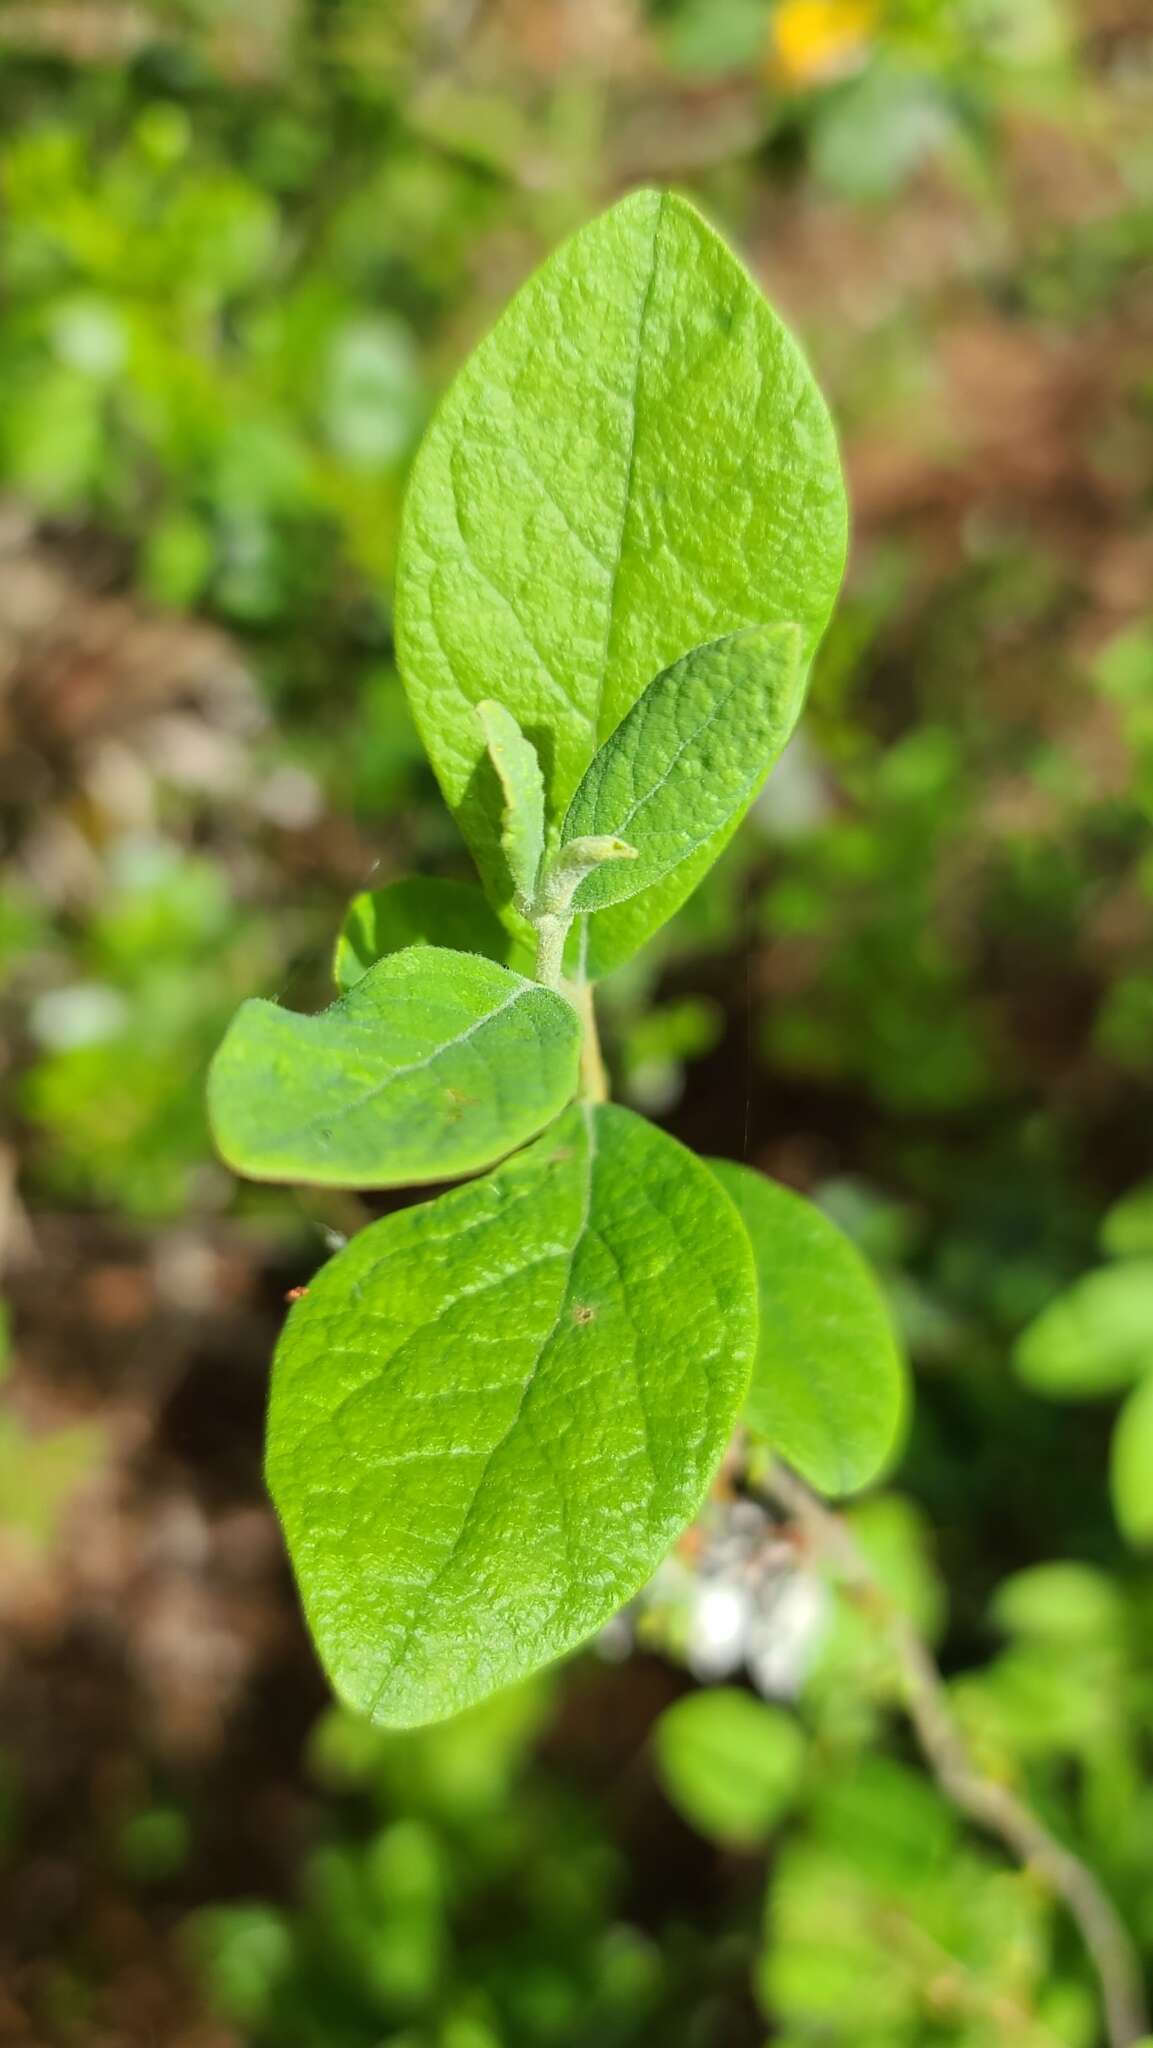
(992, 1805)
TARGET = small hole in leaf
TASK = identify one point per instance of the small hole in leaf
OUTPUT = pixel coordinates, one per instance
(582, 1313)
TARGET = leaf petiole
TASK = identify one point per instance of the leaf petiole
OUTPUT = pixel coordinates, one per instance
(552, 913)
(552, 930)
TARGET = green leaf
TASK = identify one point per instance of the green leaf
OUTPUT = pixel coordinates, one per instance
(422, 910)
(522, 805)
(434, 1064)
(493, 1413)
(1095, 1338)
(687, 760)
(634, 462)
(828, 1387)
(730, 1764)
(1127, 1229)
(1064, 1603)
(1131, 1467)
(890, 1820)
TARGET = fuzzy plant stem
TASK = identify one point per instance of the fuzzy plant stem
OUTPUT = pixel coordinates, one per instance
(991, 1804)
(552, 933)
(552, 929)
(552, 911)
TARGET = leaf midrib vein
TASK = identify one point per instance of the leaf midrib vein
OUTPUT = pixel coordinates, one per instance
(710, 718)
(649, 875)
(630, 471)
(401, 1652)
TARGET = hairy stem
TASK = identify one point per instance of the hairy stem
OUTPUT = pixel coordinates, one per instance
(552, 930)
(991, 1804)
(552, 910)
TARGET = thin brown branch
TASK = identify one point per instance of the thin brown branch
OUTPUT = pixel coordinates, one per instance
(991, 1804)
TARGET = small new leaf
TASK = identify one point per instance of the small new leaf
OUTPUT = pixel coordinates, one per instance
(688, 759)
(493, 1413)
(434, 1064)
(422, 910)
(522, 808)
(828, 1386)
(578, 859)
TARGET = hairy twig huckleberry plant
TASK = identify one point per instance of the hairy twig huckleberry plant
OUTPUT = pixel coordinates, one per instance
(494, 1411)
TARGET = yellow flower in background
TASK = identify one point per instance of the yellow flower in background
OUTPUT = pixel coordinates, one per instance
(817, 40)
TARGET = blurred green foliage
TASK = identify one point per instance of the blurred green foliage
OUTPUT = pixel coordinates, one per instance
(730, 1763)
(480, 1904)
(244, 246)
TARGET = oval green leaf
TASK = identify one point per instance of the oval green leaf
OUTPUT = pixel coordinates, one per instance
(422, 910)
(730, 1764)
(1131, 1467)
(1095, 1338)
(434, 1064)
(828, 1387)
(1063, 1603)
(687, 760)
(493, 1413)
(635, 461)
(1127, 1228)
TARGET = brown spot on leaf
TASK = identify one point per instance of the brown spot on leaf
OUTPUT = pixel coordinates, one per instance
(458, 1103)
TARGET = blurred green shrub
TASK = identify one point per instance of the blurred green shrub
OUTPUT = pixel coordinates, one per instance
(482, 1904)
(237, 266)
